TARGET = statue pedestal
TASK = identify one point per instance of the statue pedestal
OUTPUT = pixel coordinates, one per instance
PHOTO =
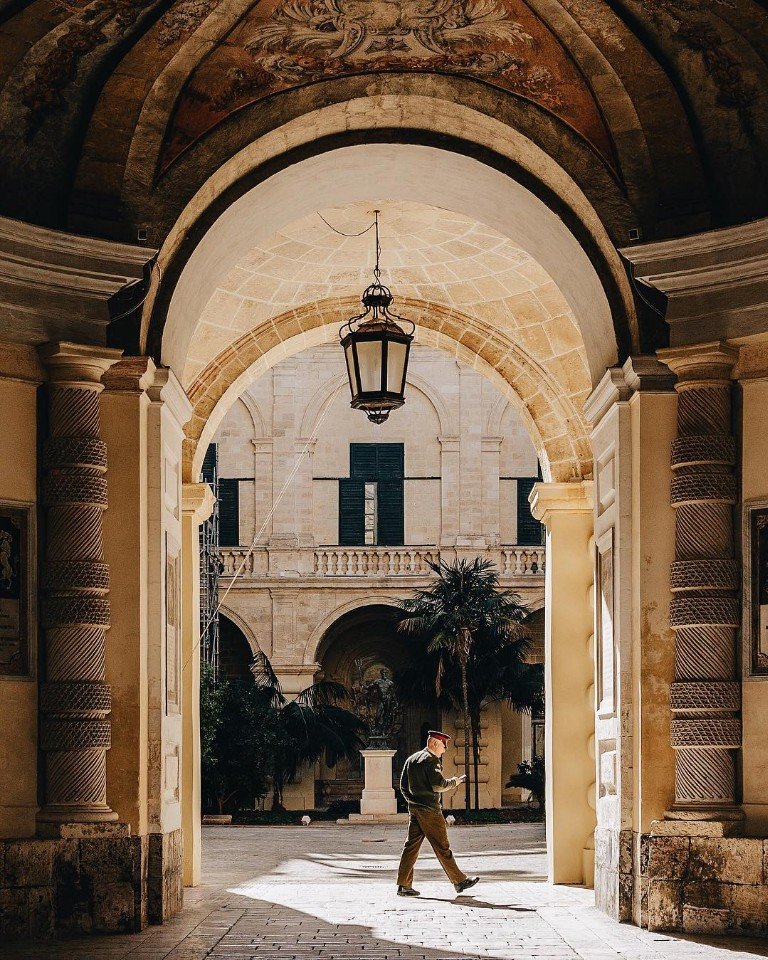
(379, 804)
(378, 796)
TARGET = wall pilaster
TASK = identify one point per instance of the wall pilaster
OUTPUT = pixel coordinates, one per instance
(196, 506)
(566, 510)
(632, 411)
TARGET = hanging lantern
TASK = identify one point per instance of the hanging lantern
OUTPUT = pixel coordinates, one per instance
(376, 349)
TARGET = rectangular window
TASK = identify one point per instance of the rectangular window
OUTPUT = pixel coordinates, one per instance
(229, 512)
(372, 501)
(370, 513)
(529, 531)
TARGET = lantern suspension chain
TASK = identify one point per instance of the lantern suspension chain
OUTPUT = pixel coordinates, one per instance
(377, 269)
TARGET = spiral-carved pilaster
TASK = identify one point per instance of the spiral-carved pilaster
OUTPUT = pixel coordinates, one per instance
(704, 611)
(75, 701)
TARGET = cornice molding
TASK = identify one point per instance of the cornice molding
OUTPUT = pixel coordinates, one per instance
(708, 286)
(57, 286)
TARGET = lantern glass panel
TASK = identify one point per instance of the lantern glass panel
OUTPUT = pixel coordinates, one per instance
(349, 357)
(396, 354)
(369, 361)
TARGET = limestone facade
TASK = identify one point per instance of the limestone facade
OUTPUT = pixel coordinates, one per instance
(290, 583)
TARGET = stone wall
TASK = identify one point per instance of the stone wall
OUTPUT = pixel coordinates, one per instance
(705, 884)
(86, 883)
(73, 885)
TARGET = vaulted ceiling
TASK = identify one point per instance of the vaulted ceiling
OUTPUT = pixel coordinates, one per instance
(113, 113)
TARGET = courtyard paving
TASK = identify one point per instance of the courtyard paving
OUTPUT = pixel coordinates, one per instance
(326, 892)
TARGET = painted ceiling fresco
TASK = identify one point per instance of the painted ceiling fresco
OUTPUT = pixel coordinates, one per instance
(281, 44)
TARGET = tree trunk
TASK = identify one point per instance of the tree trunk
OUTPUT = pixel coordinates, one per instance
(476, 756)
(467, 729)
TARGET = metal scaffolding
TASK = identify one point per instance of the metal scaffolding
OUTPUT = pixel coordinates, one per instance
(210, 568)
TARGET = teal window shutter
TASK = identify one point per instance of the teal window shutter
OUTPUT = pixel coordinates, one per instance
(229, 512)
(351, 513)
(391, 513)
(529, 530)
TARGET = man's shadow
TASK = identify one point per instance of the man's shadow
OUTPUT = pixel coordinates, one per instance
(469, 901)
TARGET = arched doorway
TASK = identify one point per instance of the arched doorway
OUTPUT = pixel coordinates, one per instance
(547, 383)
(355, 649)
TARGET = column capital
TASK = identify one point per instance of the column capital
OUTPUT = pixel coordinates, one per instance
(197, 500)
(77, 364)
(130, 375)
(165, 388)
(262, 444)
(639, 374)
(547, 499)
(491, 444)
(448, 444)
(701, 364)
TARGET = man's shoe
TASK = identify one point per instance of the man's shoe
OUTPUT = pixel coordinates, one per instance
(466, 884)
(407, 892)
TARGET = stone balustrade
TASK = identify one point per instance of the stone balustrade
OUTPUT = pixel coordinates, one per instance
(375, 562)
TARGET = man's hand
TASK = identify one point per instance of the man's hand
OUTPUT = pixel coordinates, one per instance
(461, 779)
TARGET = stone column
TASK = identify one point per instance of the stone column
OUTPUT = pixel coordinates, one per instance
(196, 506)
(75, 700)
(704, 612)
(566, 511)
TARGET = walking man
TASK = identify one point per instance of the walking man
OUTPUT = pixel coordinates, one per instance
(422, 784)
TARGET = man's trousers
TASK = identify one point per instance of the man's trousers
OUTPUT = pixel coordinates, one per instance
(429, 824)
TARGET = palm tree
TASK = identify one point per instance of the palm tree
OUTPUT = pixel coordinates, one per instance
(312, 726)
(472, 648)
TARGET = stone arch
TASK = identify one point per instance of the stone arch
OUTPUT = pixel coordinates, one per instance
(243, 625)
(252, 407)
(313, 648)
(495, 416)
(326, 393)
(222, 217)
(555, 424)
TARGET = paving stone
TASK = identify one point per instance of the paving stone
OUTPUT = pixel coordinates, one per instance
(288, 893)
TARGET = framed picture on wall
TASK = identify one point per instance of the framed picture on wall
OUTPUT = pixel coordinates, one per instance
(604, 631)
(755, 536)
(17, 590)
(172, 626)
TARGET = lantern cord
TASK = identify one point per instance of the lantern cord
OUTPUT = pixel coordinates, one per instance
(267, 519)
(342, 234)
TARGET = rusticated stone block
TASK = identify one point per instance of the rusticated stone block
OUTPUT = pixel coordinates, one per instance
(644, 849)
(749, 908)
(765, 861)
(14, 914)
(665, 904)
(108, 860)
(41, 912)
(731, 860)
(29, 863)
(626, 894)
(668, 858)
(165, 891)
(708, 894)
(114, 908)
(625, 851)
(712, 920)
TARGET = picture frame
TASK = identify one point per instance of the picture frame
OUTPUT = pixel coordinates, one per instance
(755, 592)
(18, 590)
